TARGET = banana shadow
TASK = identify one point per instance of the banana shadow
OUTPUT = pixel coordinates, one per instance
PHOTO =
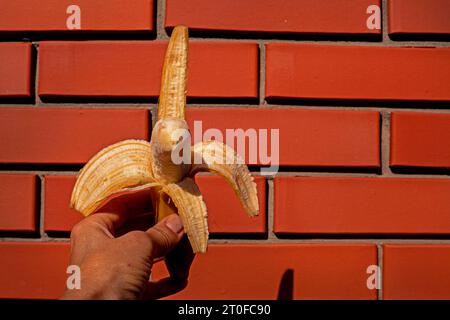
(286, 288)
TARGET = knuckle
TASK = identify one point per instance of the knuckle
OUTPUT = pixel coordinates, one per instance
(138, 237)
(164, 239)
(77, 230)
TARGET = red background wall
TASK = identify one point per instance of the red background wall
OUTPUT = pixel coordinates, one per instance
(364, 137)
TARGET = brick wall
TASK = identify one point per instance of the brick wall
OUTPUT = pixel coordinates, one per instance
(364, 119)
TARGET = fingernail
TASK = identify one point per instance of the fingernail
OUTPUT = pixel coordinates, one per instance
(174, 223)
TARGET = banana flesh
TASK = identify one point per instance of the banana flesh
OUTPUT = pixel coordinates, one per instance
(132, 165)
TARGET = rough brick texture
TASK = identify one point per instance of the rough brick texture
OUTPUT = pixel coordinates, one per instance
(350, 111)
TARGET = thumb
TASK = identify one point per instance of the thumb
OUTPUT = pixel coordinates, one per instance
(165, 235)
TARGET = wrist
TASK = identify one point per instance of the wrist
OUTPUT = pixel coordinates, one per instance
(87, 294)
(93, 285)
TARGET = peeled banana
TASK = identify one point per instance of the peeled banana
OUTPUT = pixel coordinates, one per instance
(132, 165)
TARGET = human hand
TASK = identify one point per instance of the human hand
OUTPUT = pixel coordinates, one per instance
(115, 266)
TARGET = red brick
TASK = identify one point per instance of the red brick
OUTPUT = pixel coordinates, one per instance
(349, 205)
(223, 216)
(17, 202)
(65, 135)
(255, 271)
(33, 270)
(419, 17)
(51, 15)
(310, 138)
(416, 272)
(305, 71)
(130, 69)
(15, 70)
(420, 139)
(285, 16)
(225, 213)
(58, 216)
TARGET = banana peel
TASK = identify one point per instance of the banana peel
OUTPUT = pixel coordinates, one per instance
(133, 165)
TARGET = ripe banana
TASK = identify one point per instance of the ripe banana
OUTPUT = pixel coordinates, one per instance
(134, 165)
